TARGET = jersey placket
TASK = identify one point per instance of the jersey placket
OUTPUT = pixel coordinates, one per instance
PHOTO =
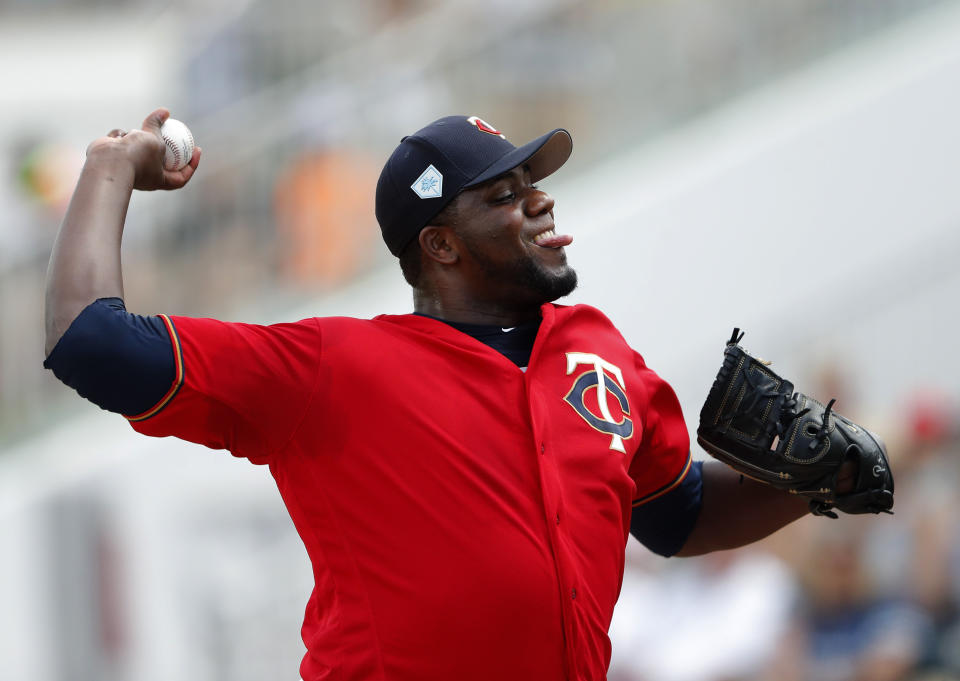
(552, 496)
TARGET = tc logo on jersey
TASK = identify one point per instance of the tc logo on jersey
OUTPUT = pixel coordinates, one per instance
(596, 377)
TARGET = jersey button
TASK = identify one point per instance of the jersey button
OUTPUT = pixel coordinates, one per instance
(558, 519)
(573, 593)
(542, 448)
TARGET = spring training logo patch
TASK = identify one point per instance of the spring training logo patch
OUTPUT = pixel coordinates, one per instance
(429, 185)
(598, 377)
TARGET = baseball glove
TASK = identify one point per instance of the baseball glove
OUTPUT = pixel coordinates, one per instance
(754, 422)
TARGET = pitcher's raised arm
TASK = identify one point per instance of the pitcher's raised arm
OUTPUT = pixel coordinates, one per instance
(85, 263)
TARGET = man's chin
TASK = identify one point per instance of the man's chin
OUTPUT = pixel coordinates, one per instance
(557, 286)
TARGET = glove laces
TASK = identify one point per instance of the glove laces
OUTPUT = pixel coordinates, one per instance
(788, 408)
(824, 428)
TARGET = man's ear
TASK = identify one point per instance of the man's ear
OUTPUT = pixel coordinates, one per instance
(440, 244)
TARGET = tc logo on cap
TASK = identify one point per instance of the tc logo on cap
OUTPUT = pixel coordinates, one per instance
(429, 185)
(483, 125)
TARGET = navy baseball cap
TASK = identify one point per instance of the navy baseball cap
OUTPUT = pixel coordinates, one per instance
(431, 166)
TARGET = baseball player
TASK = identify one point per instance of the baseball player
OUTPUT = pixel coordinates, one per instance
(464, 477)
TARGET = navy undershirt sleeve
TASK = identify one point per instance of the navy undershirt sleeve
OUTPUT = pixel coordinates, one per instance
(664, 524)
(121, 362)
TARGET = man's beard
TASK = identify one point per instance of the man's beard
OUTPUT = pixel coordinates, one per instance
(548, 285)
(526, 273)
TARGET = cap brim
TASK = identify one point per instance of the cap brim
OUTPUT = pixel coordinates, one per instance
(543, 156)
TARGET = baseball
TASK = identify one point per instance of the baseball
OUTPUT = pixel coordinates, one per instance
(179, 141)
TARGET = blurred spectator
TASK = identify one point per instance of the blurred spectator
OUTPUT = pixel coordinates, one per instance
(879, 598)
(847, 628)
(38, 180)
(48, 172)
(928, 523)
(714, 618)
(324, 210)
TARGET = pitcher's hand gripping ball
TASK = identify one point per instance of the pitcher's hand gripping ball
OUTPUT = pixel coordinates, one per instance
(179, 142)
(754, 422)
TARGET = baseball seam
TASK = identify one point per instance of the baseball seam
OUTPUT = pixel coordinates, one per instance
(173, 147)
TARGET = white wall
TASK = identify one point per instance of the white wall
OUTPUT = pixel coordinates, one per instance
(821, 215)
(70, 73)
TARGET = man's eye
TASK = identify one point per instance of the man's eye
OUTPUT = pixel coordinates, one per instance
(506, 197)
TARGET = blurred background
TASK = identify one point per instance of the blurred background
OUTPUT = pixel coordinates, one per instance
(787, 167)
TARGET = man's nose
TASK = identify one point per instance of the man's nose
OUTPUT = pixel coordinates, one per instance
(539, 202)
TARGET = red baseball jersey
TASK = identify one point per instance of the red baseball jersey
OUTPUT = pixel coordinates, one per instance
(465, 519)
